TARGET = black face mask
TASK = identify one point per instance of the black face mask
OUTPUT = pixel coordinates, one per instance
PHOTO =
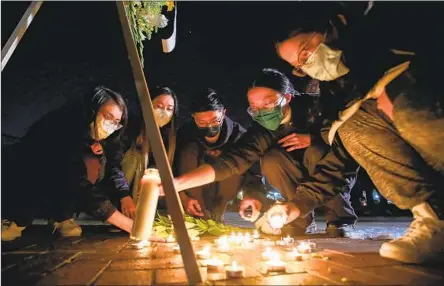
(209, 132)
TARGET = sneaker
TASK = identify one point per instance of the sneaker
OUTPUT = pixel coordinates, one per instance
(10, 230)
(67, 228)
(422, 242)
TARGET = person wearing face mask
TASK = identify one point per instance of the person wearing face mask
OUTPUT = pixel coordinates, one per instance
(201, 141)
(165, 111)
(72, 157)
(386, 114)
(281, 141)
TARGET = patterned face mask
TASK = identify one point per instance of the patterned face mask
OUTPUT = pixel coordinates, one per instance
(163, 116)
(325, 64)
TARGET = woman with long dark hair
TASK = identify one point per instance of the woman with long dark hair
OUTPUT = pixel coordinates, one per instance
(166, 108)
(73, 158)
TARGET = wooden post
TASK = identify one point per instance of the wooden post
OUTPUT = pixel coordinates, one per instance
(19, 31)
(156, 144)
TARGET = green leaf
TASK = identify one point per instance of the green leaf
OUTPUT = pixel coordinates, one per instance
(202, 225)
(193, 232)
(211, 222)
(214, 230)
(189, 224)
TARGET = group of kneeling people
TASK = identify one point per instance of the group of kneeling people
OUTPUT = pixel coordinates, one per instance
(84, 157)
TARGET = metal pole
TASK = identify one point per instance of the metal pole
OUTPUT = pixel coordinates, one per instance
(19, 31)
(162, 164)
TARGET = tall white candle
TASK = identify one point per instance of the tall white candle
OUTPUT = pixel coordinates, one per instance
(146, 205)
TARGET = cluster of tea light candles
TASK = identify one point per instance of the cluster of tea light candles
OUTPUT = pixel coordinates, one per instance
(271, 258)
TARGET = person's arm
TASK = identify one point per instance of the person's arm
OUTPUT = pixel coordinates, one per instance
(236, 160)
(121, 221)
(113, 171)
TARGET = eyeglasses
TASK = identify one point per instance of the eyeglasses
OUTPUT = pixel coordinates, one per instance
(215, 122)
(268, 107)
(111, 122)
(303, 57)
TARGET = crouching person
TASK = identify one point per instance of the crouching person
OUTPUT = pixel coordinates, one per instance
(202, 141)
(73, 156)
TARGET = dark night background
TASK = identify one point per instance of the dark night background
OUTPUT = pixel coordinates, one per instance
(72, 46)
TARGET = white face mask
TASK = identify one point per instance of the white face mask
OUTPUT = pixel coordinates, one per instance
(104, 128)
(163, 116)
(325, 64)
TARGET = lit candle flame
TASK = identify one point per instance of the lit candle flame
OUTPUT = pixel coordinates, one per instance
(170, 238)
(276, 221)
(143, 243)
(206, 249)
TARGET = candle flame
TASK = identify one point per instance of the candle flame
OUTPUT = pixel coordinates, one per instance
(234, 265)
(143, 243)
(276, 221)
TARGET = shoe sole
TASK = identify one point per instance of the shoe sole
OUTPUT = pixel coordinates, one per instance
(400, 255)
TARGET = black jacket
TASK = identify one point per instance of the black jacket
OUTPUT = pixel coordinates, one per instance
(54, 148)
(231, 133)
(258, 140)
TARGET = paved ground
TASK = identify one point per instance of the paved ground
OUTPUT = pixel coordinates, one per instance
(100, 257)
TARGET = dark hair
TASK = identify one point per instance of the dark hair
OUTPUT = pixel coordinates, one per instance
(159, 90)
(274, 79)
(172, 126)
(206, 100)
(102, 95)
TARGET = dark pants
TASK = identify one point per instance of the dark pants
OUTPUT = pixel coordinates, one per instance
(404, 158)
(212, 197)
(286, 171)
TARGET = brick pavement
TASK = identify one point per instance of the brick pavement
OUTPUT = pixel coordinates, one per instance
(103, 258)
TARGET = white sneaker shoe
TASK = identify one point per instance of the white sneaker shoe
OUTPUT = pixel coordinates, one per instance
(68, 228)
(10, 230)
(423, 241)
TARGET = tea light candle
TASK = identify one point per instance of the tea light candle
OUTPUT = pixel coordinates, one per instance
(276, 221)
(204, 253)
(305, 247)
(142, 244)
(268, 242)
(275, 264)
(294, 255)
(225, 247)
(176, 249)
(234, 270)
(214, 265)
(221, 240)
(170, 239)
(288, 239)
(266, 255)
(256, 234)
(247, 237)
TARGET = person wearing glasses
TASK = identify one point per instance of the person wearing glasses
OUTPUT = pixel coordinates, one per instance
(201, 141)
(279, 140)
(386, 113)
(166, 109)
(73, 162)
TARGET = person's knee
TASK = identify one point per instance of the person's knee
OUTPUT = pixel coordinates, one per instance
(272, 160)
(314, 154)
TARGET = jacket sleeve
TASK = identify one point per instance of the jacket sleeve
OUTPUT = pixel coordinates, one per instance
(329, 179)
(95, 201)
(91, 198)
(113, 171)
(242, 154)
